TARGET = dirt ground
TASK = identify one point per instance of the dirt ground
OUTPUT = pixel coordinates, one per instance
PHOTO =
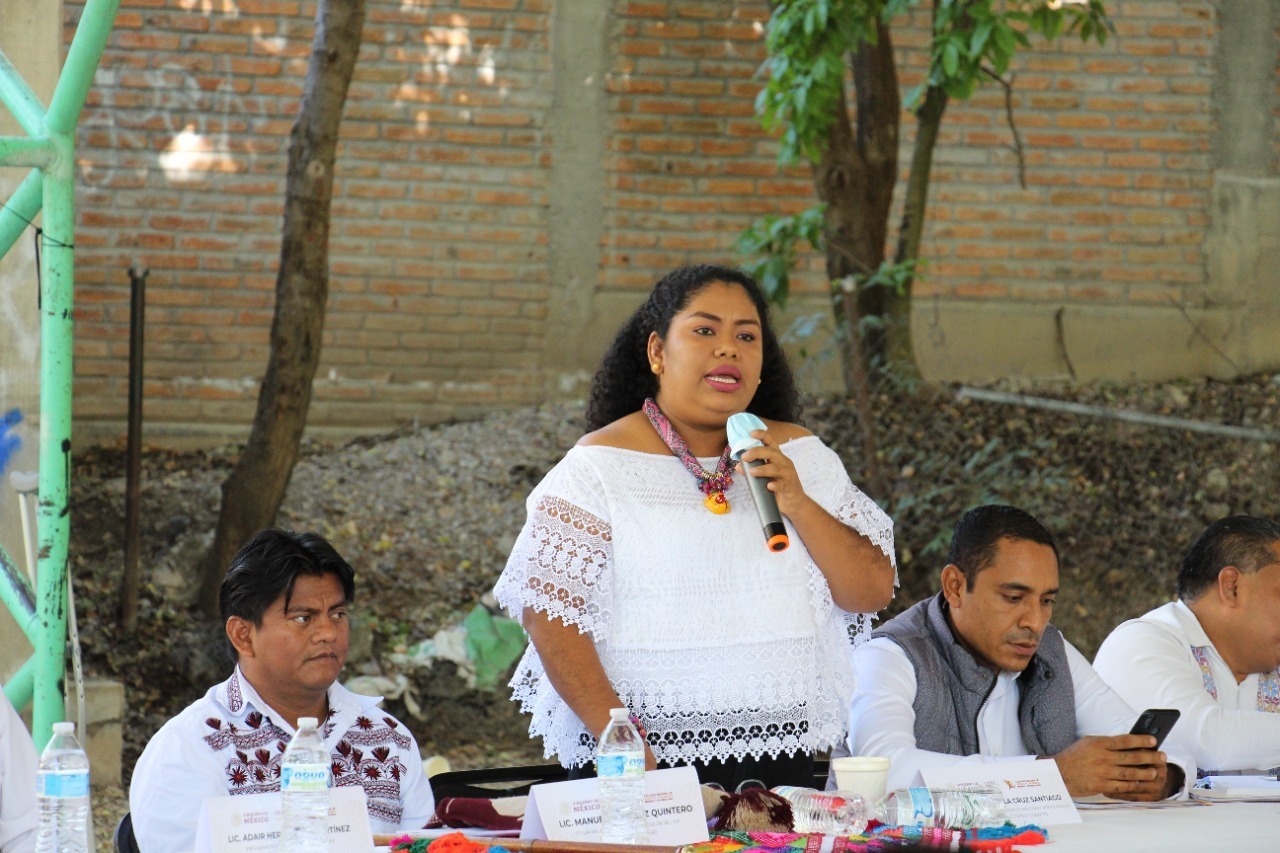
(428, 516)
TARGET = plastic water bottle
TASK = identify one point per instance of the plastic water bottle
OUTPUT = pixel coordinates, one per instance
(62, 793)
(620, 769)
(948, 808)
(304, 791)
(828, 812)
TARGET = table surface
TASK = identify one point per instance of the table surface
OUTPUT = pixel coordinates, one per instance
(1239, 827)
(1235, 827)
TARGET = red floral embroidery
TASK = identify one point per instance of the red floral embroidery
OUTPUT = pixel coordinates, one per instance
(255, 752)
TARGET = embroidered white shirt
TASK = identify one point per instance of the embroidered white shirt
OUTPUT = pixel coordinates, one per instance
(721, 647)
(1164, 659)
(17, 783)
(230, 742)
(882, 719)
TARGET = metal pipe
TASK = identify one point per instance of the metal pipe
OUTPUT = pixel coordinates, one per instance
(82, 61)
(53, 188)
(21, 101)
(23, 206)
(18, 688)
(1141, 418)
(27, 485)
(24, 151)
(77, 664)
(18, 596)
(133, 451)
(57, 273)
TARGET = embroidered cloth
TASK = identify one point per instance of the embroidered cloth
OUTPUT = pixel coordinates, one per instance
(995, 840)
(879, 838)
(454, 842)
(230, 742)
(721, 647)
(1268, 682)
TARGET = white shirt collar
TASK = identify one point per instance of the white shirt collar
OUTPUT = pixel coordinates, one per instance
(238, 698)
(1190, 625)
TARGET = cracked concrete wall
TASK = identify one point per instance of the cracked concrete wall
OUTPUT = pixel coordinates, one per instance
(578, 123)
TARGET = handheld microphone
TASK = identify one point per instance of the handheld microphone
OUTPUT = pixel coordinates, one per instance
(740, 427)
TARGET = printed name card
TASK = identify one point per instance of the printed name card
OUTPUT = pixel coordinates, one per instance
(251, 823)
(570, 811)
(1033, 790)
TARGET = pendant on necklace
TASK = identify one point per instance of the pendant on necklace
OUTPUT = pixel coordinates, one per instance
(717, 503)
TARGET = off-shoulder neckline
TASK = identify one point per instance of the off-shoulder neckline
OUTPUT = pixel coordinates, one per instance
(668, 455)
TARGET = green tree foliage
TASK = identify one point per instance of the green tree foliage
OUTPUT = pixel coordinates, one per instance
(824, 55)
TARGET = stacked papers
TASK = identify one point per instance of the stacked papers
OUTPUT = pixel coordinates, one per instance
(1237, 788)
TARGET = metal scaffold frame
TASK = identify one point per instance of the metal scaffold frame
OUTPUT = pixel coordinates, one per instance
(48, 149)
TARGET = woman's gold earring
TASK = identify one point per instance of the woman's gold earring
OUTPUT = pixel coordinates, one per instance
(655, 367)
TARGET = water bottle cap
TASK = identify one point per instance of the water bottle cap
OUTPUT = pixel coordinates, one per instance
(64, 728)
(619, 714)
(308, 723)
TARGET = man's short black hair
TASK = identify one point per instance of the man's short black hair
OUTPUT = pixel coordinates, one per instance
(973, 545)
(1243, 541)
(269, 564)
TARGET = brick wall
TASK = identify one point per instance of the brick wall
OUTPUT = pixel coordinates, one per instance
(440, 251)
(1118, 170)
(689, 166)
(439, 281)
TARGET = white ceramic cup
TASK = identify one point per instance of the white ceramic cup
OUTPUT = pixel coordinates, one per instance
(865, 776)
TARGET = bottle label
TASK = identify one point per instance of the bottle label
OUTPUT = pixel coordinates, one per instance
(921, 805)
(304, 778)
(625, 765)
(62, 784)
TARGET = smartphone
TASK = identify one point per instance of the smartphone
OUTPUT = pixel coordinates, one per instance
(1156, 722)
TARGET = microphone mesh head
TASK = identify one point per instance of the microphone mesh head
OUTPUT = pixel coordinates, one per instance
(739, 428)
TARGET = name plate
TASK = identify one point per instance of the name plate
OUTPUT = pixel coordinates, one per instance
(570, 811)
(1033, 790)
(251, 823)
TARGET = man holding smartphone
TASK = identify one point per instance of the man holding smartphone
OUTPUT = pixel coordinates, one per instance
(1214, 654)
(977, 674)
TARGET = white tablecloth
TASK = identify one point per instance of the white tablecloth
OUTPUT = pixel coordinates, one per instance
(1236, 827)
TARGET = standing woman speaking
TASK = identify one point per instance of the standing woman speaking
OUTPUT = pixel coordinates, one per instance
(642, 577)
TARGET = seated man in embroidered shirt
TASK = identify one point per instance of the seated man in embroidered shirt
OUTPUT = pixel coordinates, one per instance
(1214, 654)
(977, 674)
(284, 602)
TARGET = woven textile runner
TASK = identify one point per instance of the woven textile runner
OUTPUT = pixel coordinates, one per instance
(989, 840)
(994, 839)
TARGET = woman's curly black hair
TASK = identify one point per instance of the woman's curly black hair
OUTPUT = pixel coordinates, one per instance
(624, 379)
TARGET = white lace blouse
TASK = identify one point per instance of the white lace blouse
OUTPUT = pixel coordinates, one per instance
(721, 647)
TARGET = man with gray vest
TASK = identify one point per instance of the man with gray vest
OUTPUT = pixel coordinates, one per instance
(977, 674)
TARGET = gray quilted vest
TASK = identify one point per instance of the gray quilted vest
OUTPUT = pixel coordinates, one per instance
(951, 686)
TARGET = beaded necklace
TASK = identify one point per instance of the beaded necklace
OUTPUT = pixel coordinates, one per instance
(711, 484)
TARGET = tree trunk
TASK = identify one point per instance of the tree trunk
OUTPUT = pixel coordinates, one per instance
(252, 494)
(855, 177)
(897, 316)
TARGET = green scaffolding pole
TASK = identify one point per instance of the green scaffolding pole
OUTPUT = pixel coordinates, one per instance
(49, 148)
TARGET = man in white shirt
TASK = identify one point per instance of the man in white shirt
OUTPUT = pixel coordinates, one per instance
(284, 602)
(1214, 654)
(17, 783)
(978, 675)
